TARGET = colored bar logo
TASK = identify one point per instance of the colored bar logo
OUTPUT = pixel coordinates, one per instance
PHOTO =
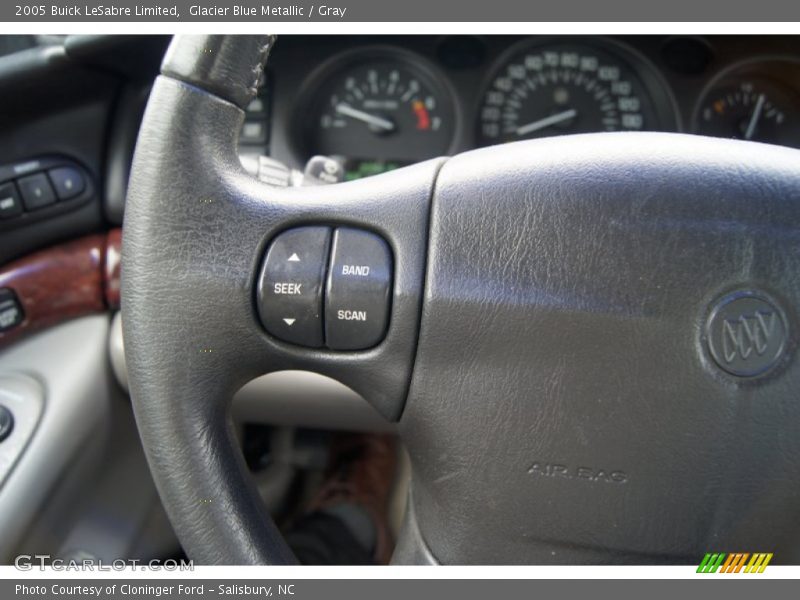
(734, 562)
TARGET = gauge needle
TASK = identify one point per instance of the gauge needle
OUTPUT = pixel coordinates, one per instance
(546, 122)
(751, 126)
(349, 111)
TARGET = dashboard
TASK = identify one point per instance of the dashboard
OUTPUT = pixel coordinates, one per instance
(376, 102)
(380, 102)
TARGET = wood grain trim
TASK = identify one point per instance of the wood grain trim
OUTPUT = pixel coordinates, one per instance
(63, 282)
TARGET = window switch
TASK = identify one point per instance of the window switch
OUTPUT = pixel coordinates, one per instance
(10, 203)
(68, 182)
(36, 191)
(11, 313)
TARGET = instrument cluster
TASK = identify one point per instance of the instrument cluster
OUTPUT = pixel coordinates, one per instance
(378, 103)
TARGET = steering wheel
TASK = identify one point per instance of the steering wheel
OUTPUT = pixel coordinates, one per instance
(587, 341)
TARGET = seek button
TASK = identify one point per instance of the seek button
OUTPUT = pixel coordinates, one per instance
(290, 285)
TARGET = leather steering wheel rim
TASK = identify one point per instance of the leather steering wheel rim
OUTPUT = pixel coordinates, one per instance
(186, 357)
(549, 353)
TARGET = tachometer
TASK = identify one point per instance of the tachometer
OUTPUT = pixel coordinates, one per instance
(564, 88)
(380, 109)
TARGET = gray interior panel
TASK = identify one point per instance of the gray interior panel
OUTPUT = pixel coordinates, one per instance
(70, 362)
(306, 399)
(82, 487)
(23, 397)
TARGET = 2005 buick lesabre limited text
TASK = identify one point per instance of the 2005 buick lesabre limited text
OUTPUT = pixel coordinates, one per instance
(101, 10)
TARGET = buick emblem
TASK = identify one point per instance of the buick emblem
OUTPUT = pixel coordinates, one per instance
(746, 333)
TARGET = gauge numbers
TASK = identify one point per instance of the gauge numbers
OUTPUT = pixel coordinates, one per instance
(752, 109)
(386, 109)
(559, 90)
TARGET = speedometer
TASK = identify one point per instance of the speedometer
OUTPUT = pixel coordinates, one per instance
(565, 88)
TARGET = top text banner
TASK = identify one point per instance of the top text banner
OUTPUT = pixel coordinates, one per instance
(400, 11)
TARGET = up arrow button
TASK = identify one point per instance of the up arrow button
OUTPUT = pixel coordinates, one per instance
(294, 257)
